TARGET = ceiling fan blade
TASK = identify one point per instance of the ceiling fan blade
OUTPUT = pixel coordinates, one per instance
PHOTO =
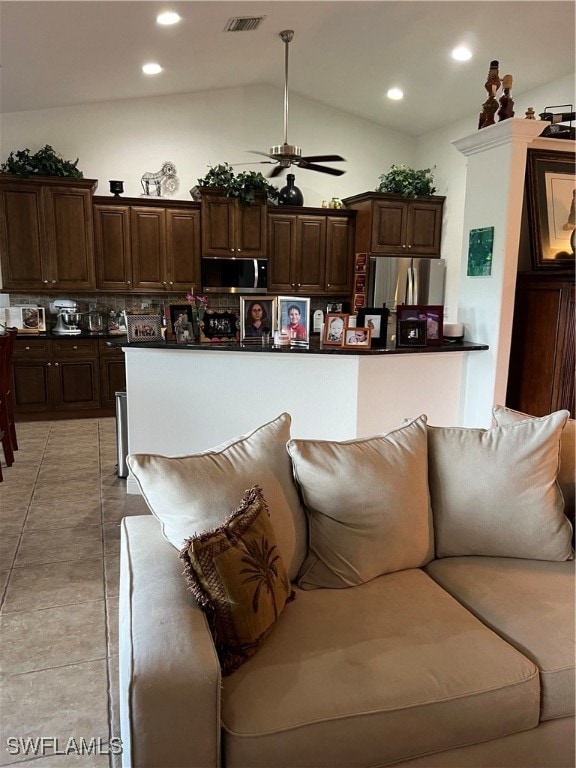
(276, 171)
(321, 168)
(255, 162)
(323, 158)
(255, 152)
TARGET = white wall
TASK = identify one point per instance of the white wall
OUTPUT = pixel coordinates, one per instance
(124, 139)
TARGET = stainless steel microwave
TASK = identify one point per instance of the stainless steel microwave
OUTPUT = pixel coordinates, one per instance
(229, 275)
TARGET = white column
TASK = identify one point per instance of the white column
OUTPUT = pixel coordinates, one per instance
(494, 197)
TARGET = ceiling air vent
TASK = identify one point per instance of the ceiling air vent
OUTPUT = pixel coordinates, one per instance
(243, 23)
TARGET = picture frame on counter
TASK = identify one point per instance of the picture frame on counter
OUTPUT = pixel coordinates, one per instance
(144, 328)
(258, 317)
(294, 318)
(355, 337)
(375, 318)
(27, 318)
(219, 325)
(431, 314)
(334, 326)
(551, 197)
(181, 323)
(411, 333)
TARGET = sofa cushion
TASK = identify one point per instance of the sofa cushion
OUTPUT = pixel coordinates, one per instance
(193, 494)
(368, 505)
(371, 675)
(238, 577)
(566, 474)
(541, 627)
(494, 491)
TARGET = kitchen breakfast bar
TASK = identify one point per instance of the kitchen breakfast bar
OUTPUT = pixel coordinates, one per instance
(184, 399)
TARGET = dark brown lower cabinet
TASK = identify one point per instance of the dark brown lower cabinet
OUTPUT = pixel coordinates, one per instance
(541, 372)
(55, 378)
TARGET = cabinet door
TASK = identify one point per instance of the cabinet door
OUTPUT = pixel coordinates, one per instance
(112, 247)
(310, 254)
(218, 219)
(76, 383)
(183, 249)
(69, 238)
(22, 237)
(339, 255)
(112, 378)
(31, 385)
(250, 235)
(389, 227)
(148, 234)
(424, 227)
(281, 253)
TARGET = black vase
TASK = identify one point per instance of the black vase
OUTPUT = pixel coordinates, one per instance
(116, 187)
(290, 195)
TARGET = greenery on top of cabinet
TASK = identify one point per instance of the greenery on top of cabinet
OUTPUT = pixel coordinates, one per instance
(243, 185)
(407, 182)
(45, 162)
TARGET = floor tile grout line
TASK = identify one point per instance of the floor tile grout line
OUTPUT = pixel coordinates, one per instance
(55, 666)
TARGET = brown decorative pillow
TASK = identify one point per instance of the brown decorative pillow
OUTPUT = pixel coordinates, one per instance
(238, 576)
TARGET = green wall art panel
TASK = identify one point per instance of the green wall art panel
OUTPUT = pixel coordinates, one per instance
(480, 245)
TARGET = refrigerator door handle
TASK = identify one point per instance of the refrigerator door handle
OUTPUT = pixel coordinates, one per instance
(410, 285)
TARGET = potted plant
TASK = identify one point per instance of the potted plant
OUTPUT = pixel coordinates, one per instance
(407, 182)
(244, 185)
(45, 162)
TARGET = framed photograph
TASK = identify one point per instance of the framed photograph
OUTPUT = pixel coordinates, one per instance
(31, 319)
(356, 337)
(334, 327)
(294, 318)
(257, 317)
(411, 333)
(219, 325)
(181, 323)
(359, 301)
(142, 328)
(432, 315)
(334, 308)
(551, 192)
(360, 283)
(375, 318)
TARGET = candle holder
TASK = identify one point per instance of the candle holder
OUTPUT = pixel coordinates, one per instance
(116, 187)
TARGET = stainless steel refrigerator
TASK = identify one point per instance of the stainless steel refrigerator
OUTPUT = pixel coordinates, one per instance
(404, 280)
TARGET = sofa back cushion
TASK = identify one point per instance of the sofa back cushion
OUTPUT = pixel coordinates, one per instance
(368, 505)
(567, 472)
(494, 491)
(194, 494)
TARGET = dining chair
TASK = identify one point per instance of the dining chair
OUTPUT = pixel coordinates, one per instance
(8, 437)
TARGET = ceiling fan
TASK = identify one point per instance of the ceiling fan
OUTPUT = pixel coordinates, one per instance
(285, 155)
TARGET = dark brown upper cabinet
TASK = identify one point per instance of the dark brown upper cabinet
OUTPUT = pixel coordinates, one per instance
(231, 228)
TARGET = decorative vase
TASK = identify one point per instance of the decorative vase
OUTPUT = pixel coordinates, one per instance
(290, 194)
(116, 187)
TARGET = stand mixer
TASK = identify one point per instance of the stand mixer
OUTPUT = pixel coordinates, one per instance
(69, 318)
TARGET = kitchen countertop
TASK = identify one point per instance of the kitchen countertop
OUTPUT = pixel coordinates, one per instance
(71, 336)
(314, 347)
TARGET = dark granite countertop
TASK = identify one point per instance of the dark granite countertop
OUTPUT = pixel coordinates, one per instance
(71, 336)
(313, 347)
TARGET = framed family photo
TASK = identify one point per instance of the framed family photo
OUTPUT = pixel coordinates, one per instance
(334, 327)
(432, 315)
(257, 317)
(375, 318)
(182, 323)
(294, 318)
(356, 337)
(142, 328)
(551, 195)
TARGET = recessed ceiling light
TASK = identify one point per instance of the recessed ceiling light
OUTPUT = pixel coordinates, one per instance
(462, 53)
(168, 17)
(151, 68)
(396, 94)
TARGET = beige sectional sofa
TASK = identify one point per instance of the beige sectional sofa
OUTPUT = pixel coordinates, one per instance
(433, 619)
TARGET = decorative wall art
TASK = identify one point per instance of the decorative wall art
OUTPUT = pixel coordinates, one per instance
(551, 192)
(480, 247)
(163, 183)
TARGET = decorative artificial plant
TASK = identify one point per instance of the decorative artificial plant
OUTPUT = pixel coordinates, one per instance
(243, 185)
(407, 182)
(45, 162)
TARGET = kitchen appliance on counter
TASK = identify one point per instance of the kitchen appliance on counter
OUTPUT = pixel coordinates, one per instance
(68, 317)
(404, 280)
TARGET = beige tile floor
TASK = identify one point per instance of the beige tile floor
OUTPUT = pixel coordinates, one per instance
(60, 510)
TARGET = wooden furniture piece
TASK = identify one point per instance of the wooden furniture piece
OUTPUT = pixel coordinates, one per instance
(112, 373)
(146, 245)
(541, 371)
(310, 251)
(230, 228)
(7, 425)
(46, 234)
(393, 225)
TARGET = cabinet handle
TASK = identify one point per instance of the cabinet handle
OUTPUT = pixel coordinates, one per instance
(232, 250)
(239, 250)
(56, 364)
(53, 281)
(48, 364)
(409, 246)
(27, 349)
(128, 282)
(164, 282)
(404, 246)
(45, 282)
(75, 346)
(171, 282)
